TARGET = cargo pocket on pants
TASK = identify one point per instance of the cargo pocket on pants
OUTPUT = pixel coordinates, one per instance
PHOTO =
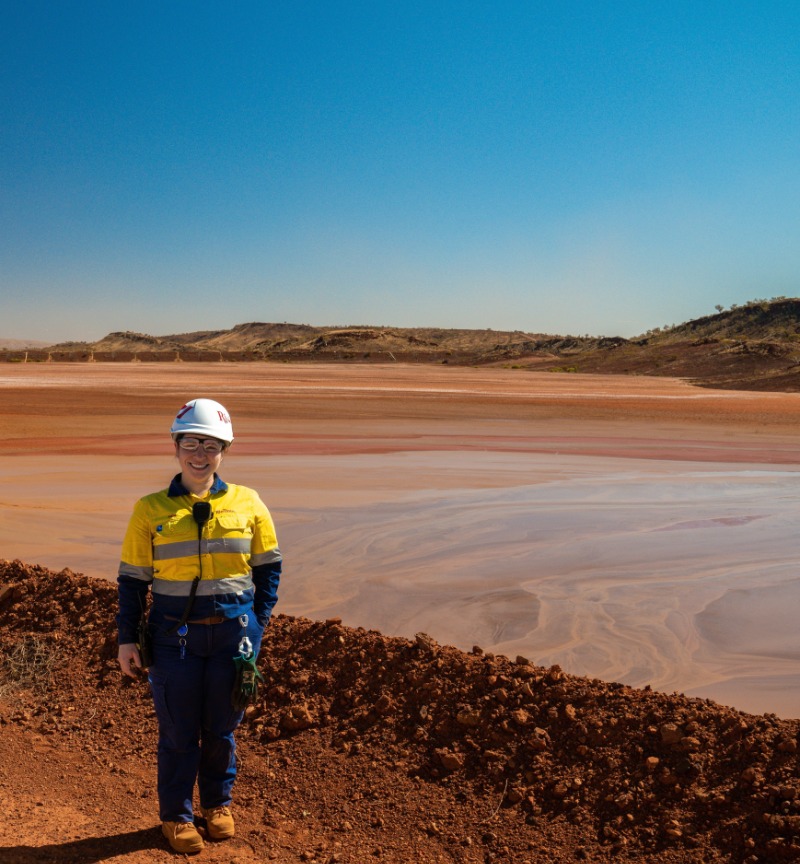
(166, 723)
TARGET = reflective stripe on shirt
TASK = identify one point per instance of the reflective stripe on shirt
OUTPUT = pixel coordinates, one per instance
(187, 548)
(205, 587)
(143, 573)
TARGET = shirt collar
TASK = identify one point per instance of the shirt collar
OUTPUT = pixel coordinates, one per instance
(176, 488)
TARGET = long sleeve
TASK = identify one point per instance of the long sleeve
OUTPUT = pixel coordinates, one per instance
(135, 575)
(265, 562)
(265, 579)
(132, 594)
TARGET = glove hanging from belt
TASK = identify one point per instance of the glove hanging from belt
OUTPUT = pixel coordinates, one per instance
(245, 685)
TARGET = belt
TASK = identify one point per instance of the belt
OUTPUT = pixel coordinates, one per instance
(214, 619)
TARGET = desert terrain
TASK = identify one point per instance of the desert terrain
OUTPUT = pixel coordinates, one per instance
(633, 529)
(626, 530)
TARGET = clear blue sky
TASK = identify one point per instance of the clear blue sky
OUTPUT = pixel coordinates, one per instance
(561, 167)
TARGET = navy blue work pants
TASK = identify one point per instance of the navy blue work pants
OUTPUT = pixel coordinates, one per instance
(191, 687)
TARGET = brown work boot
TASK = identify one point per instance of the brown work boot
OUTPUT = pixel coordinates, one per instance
(182, 836)
(219, 821)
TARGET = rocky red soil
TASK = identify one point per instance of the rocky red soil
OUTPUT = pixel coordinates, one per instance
(365, 748)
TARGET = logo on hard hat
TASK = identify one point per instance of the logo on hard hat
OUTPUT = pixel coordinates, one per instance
(203, 417)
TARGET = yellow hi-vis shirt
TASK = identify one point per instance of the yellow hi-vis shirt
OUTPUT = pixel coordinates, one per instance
(161, 543)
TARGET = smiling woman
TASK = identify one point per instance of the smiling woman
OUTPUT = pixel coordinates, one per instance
(208, 552)
(198, 454)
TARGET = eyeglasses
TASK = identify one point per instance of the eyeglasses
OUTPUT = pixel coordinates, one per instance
(209, 445)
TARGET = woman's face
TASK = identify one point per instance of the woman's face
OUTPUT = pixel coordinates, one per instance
(198, 464)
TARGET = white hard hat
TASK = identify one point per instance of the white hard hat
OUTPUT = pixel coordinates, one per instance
(203, 417)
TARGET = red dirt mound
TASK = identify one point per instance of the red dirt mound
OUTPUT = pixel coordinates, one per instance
(362, 747)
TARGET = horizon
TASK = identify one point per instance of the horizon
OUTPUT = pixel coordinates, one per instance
(601, 169)
(719, 310)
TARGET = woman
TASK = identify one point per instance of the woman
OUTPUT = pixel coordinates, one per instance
(209, 553)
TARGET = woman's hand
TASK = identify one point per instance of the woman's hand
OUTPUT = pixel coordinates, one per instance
(129, 658)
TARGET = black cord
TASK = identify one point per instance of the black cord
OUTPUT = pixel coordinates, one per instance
(201, 513)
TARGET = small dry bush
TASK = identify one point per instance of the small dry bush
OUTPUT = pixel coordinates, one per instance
(28, 666)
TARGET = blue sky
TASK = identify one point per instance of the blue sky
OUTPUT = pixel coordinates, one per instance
(557, 167)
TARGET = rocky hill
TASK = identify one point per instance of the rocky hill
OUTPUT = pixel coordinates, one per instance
(362, 747)
(752, 347)
(257, 341)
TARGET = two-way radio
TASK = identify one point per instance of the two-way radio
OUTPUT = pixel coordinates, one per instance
(201, 513)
